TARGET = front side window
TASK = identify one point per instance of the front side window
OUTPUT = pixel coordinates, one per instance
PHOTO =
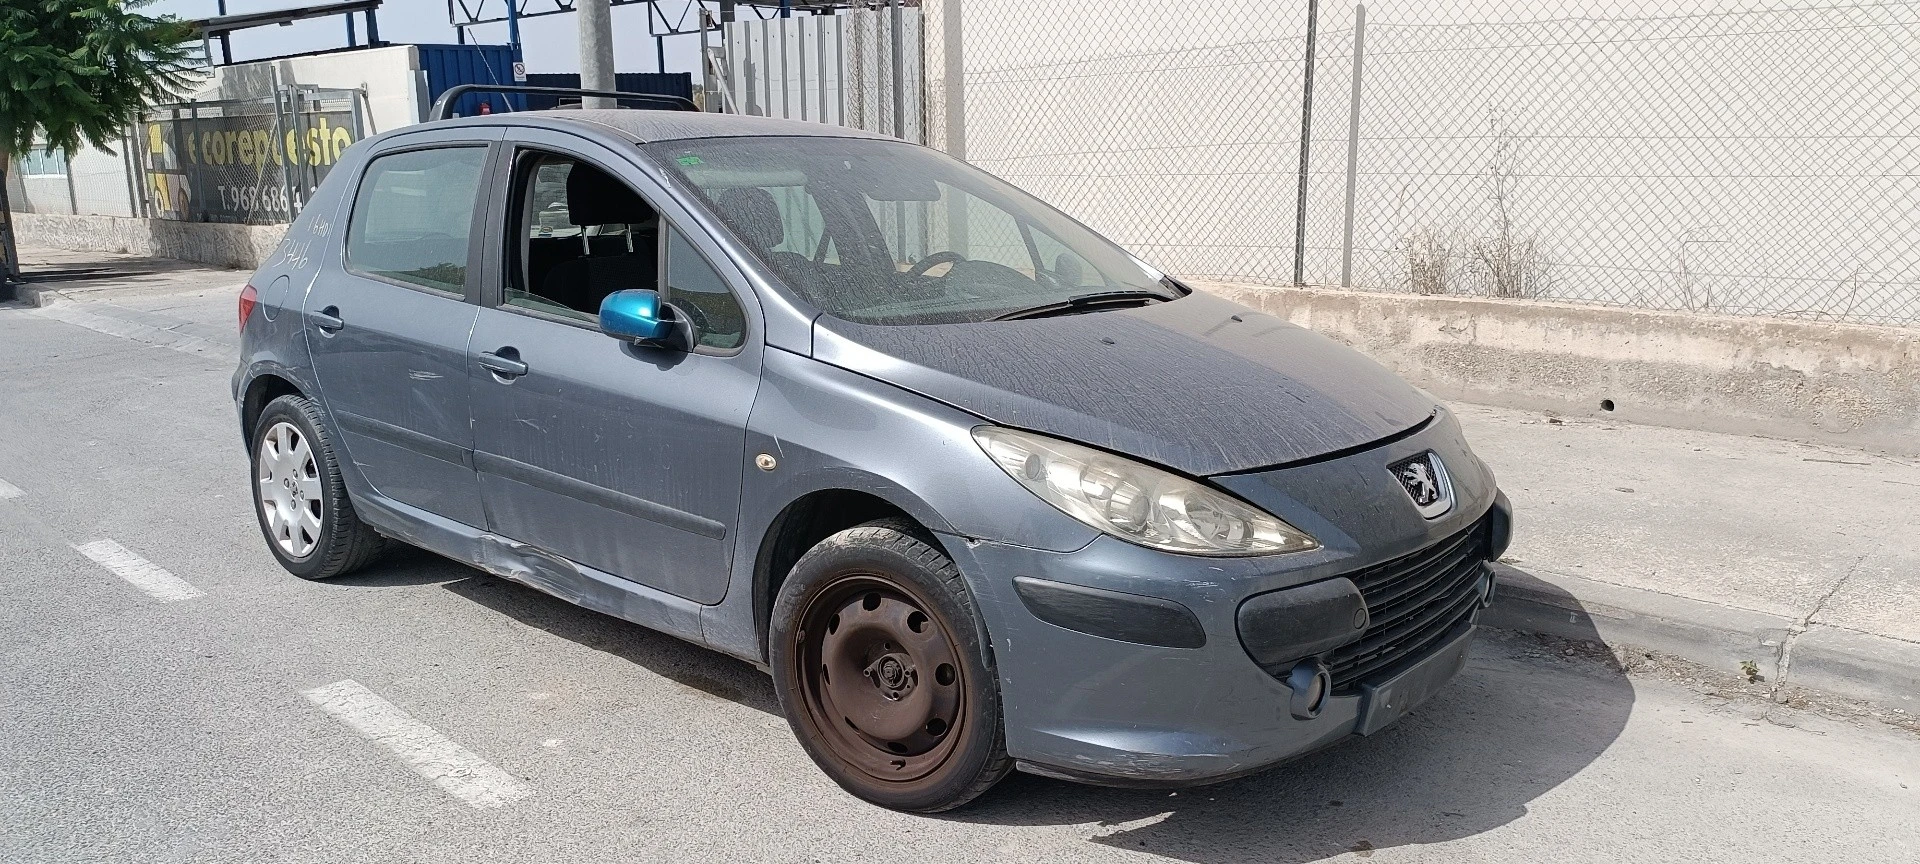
(696, 289)
(413, 216)
(580, 234)
(883, 232)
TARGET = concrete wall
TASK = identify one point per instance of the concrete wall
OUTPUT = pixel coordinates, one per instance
(391, 77)
(241, 247)
(1847, 384)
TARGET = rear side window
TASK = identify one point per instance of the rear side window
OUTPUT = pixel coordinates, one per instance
(413, 214)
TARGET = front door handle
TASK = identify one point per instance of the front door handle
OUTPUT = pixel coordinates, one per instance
(329, 320)
(503, 363)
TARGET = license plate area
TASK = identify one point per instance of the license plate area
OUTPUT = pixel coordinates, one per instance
(1389, 700)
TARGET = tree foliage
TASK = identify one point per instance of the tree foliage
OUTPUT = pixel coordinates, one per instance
(84, 69)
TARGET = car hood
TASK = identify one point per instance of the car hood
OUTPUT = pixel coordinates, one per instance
(1199, 384)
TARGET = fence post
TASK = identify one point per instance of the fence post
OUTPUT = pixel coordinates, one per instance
(280, 143)
(956, 98)
(1353, 144)
(1306, 147)
(899, 71)
(194, 181)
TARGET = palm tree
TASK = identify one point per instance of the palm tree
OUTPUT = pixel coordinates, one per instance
(74, 70)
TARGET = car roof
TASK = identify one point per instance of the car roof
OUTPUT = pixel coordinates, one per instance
(654, 125)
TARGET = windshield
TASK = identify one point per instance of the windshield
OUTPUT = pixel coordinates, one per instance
(882, 232)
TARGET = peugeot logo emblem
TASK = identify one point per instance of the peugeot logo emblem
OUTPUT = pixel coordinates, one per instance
(1425, 479)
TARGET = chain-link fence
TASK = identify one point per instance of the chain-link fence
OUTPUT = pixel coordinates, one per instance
(86, 182)
(246, 160)
(1730, 157)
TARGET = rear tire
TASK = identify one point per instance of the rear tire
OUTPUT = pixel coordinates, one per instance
(884, 672)
(300, 498)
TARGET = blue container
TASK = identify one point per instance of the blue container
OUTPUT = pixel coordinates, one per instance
(661, 83)
(452, 65)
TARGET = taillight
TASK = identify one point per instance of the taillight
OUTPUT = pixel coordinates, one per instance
(248, 298)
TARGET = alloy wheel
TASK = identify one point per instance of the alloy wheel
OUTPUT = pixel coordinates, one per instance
(288, 482)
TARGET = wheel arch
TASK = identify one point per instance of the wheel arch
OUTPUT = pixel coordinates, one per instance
(803, 523)
(263, 388)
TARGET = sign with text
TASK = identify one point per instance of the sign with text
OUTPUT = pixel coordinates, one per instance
(251, 161)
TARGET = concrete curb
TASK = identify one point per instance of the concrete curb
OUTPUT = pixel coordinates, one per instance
(38, 296)
(1832, 660)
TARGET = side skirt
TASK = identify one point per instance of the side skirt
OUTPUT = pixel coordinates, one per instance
(536, 568)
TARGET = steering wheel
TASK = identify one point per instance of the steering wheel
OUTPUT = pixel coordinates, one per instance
(944, 256)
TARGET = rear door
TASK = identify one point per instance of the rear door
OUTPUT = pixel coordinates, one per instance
(623, 458)
(388, 325)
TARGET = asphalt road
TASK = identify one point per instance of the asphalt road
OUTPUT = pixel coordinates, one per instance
(424, 711)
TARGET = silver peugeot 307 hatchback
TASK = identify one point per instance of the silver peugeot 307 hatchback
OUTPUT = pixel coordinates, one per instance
(979, 488)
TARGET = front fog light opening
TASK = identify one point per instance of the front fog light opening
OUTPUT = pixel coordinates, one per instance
(1311, 683)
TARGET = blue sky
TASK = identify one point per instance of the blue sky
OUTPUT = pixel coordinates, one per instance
(549, 44)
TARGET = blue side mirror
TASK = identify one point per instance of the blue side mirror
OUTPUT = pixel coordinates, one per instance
(636, 315)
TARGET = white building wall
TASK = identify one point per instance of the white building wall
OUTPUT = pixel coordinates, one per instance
(391, 78)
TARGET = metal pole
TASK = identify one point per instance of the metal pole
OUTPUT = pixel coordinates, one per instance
(899, 71)
(956, 79)
(280, 143)
(194, 209)
(1306, 143)
(226, 39)
(133, 187)
(1353, 144)
(513, 26)
(706, 63)
(352, 41)
(596, 52)
(786, 108)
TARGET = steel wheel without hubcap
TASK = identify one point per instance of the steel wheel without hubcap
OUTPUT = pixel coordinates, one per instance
(881, 678)
(288, 483)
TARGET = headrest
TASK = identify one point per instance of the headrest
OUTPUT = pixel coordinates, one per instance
(593, 198)
(752, 211)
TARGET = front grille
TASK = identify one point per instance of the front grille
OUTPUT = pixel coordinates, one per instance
(1414, 603)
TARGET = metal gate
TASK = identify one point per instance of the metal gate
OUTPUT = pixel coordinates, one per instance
(859, 67)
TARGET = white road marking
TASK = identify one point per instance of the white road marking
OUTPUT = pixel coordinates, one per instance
(432, 755)
(8, 490)
(141, 573)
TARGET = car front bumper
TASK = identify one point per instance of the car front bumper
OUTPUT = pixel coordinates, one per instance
(1087, 707)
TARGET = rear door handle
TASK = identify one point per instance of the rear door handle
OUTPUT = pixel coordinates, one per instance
(505, 367)
(328, 320)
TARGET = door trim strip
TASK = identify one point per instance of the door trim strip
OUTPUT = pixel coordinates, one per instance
(561, 484)
(421, 443)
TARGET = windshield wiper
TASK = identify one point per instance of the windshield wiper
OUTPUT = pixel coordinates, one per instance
(1085, 303)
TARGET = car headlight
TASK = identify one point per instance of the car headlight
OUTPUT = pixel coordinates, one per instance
(1135, 502)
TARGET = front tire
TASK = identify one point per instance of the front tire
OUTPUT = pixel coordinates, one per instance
(299, 496)
(883, 670)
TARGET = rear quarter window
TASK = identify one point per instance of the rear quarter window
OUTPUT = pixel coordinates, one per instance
(413, 216)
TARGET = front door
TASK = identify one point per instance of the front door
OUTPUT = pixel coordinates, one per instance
(388, 324)
(622, 458)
